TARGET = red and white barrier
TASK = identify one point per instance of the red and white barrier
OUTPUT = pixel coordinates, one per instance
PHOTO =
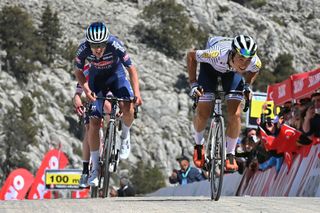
(302, 179)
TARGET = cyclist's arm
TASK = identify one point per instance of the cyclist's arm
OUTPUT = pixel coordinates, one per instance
(82, 81)
(79, 62)
(192, 66)
(77, 103)
(134, 81)
(250, 77)
(80, 77)
(126, 61)
(77, 100)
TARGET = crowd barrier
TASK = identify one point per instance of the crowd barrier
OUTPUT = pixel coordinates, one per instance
(301, 179)
(202, 188)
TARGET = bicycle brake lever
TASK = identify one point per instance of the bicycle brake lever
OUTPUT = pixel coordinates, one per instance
(135, 114)
(195, 103)
(196, 98)
(246, 106)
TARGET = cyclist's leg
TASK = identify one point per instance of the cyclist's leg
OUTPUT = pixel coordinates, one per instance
(85, 147)
(232, 82)
(85, 158)
(94, 139)
(207, 79)
(85, 143)
(232, 132)
(121, 88)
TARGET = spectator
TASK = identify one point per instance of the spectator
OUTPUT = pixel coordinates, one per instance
(186, 174)
(311, 122)
(295, 120)
(125, 190)
(252, 152)
(245, 151)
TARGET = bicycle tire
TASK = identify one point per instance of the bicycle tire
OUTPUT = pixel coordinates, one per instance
(107, 159)
(93, 191)
(217, 158)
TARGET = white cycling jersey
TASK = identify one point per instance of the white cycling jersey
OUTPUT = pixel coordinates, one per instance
(217, 52)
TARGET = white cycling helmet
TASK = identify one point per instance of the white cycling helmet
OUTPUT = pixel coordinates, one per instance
(244, 46)
(97, 32)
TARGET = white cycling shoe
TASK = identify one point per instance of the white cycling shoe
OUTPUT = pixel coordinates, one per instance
(93, 179)
(125, 147)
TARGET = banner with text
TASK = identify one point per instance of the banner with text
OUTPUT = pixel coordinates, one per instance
(54, 159)
(256, 108)
(16, 185)
(296, 87)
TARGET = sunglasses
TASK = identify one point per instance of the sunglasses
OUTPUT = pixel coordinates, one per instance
(245, 53)
(97, 45)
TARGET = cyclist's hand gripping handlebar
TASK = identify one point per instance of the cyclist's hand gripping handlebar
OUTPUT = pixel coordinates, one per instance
(196, 93)
(246, 105)
(247, 96)
(136, 110)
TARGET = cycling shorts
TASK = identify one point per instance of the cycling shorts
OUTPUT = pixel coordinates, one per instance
(208, 79)
(120, 88)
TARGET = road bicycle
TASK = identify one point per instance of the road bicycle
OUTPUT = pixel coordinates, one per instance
(110, 147)
(216, 148)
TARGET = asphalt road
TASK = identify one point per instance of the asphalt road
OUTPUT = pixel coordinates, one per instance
(166, 204)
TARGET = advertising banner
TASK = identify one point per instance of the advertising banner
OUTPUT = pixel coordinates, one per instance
(16, 185)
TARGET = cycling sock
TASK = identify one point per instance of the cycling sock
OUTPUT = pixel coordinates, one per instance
(85, 167)
(231, 145)
(125, 131)
(198, 137)
(95, 159)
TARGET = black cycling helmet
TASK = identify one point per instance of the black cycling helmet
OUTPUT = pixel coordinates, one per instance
(97, 32)
(244, 46)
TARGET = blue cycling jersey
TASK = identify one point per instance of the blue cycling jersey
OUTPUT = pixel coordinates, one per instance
(106, 73)
(110, 64)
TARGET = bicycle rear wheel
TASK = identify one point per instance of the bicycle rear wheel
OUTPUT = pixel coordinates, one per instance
(109, 144)
(217, 158)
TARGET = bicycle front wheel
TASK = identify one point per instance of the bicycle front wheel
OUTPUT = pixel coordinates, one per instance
(109, 143)
(93, 191)
(217, 158)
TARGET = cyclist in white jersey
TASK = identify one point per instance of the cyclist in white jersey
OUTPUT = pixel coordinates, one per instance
(232, 59)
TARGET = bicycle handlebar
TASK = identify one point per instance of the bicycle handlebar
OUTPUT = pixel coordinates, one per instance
(196, 100)
(126, 99)
(115, 99)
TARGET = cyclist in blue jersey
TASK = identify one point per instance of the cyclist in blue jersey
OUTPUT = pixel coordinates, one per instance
(232, 59)
(79, 108)
(107, 57)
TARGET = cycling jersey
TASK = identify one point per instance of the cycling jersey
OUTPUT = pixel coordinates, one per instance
(217, 52)
(106, 73)
(106, 69)
(214, 62)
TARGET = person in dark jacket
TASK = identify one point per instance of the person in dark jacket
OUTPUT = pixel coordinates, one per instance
(186, 174)
(125, 190)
